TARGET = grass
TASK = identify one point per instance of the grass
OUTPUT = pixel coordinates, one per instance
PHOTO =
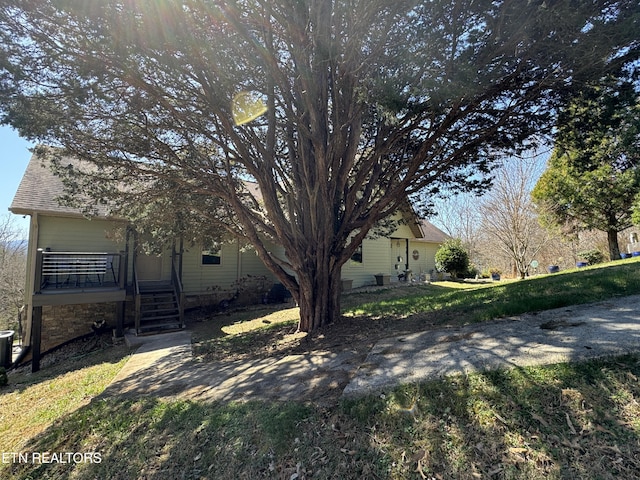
(394, 311)
(564, 421)
(487, 301)
(32, 401)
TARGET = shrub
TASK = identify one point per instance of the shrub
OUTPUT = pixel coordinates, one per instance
(592, 256)
(472, 272)
(452, 258)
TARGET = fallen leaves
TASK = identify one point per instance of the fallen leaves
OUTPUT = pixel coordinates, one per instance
(571, 427)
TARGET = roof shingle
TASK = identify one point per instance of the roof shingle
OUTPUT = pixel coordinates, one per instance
(40, 189)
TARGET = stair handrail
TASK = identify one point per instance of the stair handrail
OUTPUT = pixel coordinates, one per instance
(179, 291)
(136, 296)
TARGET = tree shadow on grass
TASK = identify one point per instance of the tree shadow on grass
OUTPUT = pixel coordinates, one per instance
(153, 439)
(582, 416)
(72, 356)
(563, 421)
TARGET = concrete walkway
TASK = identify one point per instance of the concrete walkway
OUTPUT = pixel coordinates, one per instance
(163, 365)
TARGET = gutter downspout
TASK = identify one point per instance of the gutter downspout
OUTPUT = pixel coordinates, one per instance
(34, 239)
(23, 353)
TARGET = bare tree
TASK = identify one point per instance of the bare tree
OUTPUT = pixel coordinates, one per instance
(509, 218)
(13, 259)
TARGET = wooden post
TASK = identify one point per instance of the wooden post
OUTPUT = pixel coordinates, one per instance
(122, 270)
(36, 316)
(120, 319)
(37, 282)
(138, 313)
(122, 282)
(36, 334)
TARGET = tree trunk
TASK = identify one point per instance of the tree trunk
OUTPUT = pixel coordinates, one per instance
(614, 249)
(318, 298)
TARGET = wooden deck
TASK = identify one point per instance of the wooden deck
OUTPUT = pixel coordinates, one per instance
(74, 296)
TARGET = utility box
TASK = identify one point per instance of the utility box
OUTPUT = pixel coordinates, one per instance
(6, 348)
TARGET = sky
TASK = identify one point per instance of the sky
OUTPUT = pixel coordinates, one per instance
(14, 156)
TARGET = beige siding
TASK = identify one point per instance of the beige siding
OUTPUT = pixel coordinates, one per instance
(403, 231)
(235, 265)
(78, 235)
(426, 257)
(382, 256)
(375, 259)
(252, 265)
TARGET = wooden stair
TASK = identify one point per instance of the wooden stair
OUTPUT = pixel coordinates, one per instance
(159, 309)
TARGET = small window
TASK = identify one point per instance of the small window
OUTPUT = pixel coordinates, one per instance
(357, 255)
(211, 257)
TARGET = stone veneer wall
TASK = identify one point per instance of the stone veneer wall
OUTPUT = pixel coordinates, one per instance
(61, 323)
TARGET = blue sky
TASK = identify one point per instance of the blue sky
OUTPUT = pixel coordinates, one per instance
(14, 156)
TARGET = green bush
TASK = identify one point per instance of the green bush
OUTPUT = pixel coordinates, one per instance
(472, 272)
(452, 258)
(592, 256)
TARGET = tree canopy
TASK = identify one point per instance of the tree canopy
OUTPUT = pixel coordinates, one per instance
(593, 175)
(368, 103)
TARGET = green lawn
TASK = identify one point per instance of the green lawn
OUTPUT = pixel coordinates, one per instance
(563, 421)
(491, 300)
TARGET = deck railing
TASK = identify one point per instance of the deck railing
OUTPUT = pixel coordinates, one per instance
(79, 270)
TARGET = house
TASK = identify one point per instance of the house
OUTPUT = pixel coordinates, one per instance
(86, 273)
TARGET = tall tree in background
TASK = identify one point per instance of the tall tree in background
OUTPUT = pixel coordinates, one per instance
(508, 215)
(593, 175)
(367, 102)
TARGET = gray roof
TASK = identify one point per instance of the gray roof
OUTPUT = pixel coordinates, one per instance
(40, 189)
(431, 233)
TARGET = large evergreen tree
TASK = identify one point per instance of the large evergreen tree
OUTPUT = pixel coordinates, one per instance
(593, 175)
(368, 102)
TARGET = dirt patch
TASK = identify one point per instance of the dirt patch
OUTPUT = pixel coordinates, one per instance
(357, 334)
(353, 335)
(75, 350)
(318, 367)
(558, 324)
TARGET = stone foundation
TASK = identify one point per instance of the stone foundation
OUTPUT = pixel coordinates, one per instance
(62, 323)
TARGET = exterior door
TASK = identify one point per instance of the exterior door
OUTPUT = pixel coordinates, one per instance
(398, 256)
(149, 267)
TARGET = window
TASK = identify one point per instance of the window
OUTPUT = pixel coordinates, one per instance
(357, 255)
(211, 257)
